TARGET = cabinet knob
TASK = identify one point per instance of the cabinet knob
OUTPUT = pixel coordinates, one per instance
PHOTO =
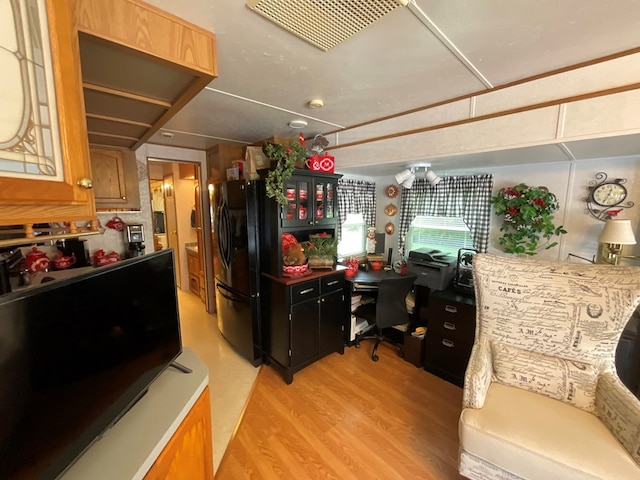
(124, 197)
(85, 183)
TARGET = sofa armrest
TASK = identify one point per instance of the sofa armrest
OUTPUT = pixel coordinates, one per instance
(619, 410)
(478, 375)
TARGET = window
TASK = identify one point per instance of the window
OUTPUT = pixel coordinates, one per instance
(447, 234)
(354, 235)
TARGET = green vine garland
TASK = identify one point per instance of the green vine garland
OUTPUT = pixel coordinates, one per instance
(528, 218)
(286, 157)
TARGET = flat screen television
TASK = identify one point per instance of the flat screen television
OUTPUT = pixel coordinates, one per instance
(76, 354)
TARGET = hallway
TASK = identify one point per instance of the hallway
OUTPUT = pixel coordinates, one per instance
(231, 377)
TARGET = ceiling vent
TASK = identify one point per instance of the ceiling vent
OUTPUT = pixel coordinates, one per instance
(324, 23)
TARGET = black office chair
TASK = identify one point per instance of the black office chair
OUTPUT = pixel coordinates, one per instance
(388, 310)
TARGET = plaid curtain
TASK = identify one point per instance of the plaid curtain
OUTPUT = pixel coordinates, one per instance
(468, 197)
(356, 196)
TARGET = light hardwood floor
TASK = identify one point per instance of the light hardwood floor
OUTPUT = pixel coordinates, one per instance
(347, 417)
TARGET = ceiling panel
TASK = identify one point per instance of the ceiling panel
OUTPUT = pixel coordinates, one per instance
(268, 75)
(509, 40)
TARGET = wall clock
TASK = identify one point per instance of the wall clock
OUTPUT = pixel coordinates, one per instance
(606, 197)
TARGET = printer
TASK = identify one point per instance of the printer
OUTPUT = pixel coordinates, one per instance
(434, 268)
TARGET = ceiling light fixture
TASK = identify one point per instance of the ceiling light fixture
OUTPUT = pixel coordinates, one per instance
(430, 176)
(166, 134)
(407, 176)
(297, 124)
(316, 103)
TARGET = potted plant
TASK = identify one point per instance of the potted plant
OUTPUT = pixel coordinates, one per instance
(321, 250)
(285, 158)
(528, 218)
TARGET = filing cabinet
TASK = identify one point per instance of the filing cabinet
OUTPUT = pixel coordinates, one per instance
(451, 324)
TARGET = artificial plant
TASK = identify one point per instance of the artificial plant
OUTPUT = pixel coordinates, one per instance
(528, 218)
(321, 245)
(286, 158)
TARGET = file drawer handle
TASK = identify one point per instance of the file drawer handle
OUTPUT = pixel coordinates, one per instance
(304, 292)
(329, 284)
(447, 343)
(449, 325)
(450, 309)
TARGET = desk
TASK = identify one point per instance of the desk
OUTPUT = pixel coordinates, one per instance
(366, 283)
(372, 276)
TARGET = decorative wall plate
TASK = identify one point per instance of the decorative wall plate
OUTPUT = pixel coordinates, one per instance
(389, 228)
(391, 209)
(392, 191)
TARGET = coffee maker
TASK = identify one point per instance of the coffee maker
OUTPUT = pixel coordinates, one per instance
(74, 247)
(135, 237)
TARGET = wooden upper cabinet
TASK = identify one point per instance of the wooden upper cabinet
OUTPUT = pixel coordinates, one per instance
(219, 158)
(28, 200)
(115, 179)
(140, 65)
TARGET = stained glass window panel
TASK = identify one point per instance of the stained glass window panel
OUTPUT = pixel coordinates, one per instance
(29, 136)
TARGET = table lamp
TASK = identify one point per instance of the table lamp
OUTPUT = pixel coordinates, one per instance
(615, 234)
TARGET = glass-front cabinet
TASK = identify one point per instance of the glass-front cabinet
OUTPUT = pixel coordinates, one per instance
(44, 153)
(311, 200)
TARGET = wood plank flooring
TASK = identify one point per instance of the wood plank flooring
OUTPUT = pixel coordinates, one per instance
(347, 417)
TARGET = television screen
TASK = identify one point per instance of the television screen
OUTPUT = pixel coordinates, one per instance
(76, 354)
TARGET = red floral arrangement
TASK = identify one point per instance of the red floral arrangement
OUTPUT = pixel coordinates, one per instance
(528, 218)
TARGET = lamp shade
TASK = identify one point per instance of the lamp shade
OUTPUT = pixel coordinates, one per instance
(408, 183)
(617, 231)
(432, 177)
(402, 176)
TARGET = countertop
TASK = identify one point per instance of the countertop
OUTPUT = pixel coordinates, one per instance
(193, 249)
(320, 272)
(130, 447)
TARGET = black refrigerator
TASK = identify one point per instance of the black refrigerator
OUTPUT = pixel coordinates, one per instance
(236, 208)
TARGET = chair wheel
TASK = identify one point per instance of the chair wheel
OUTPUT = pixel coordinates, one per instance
(401, 354)
(374, 358)
(357, 345)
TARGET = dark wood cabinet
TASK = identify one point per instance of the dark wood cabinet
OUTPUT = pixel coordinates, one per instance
(307, 320)
(304, 318)
(451, 323)
(312, 200)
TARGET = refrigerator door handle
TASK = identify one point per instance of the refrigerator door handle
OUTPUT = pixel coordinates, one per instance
(224, 235)
(223, 291)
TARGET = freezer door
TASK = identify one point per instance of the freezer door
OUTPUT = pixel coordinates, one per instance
(235, 233)
(239, 322)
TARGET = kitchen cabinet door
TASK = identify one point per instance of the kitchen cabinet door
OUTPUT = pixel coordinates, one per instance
(304, 331)
(189, 453)
(32, 198)
(115, 181)
(312, 201)
(331, 321)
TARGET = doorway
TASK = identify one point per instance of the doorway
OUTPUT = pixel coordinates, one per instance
(174, 196)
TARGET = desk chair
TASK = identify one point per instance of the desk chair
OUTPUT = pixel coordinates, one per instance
(388, 310)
